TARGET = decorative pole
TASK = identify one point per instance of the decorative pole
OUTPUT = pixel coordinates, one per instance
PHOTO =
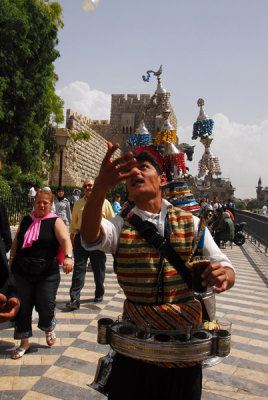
(209, 164)
(164, 149)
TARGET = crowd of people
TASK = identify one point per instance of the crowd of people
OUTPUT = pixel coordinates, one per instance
(221, 225)
(155, 290)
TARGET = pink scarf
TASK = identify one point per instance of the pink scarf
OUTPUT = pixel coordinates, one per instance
(32, 233)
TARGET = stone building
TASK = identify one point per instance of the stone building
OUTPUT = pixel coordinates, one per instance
(221, 188)
(262, 194)
(125, 117)
(83, 158)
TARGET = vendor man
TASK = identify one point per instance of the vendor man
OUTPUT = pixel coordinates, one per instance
(156, 294)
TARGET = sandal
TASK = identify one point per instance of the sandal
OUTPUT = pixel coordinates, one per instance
(51, 337)
(19, 352)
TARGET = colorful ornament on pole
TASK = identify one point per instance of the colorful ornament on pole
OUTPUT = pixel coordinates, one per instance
(142, 136)
(90, 5)
(139, 139)
(164, 137)
(204, 125)
(202, 129)
(177, 191)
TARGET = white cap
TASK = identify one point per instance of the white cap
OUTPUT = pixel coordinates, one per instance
(46, 188)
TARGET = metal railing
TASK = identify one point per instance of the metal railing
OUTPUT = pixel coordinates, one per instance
(17, 207)
(256, 226)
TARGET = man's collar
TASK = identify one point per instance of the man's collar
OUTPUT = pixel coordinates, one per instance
(148, 215)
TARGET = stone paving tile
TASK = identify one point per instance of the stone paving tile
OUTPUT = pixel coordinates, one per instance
(33, 370)
(249, 348)
(88, 345)
(76, 365)
(243, 384)
(213, 396)
(76, 378)
(9, 370)
(18, 382)
(247, 305)
(251, 334)
(247, 363)
(12, 394)
(65, 390)
(31, 395)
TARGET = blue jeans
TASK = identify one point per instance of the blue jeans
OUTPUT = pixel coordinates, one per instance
(97, 259)
(39, 292)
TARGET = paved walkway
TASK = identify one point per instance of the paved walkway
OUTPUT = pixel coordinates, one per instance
(65, 370)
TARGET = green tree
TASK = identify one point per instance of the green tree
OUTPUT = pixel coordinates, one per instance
(53, 10)
(4, 187)
(120, 188)
(28, 31)
(240, 205)
(253, 204)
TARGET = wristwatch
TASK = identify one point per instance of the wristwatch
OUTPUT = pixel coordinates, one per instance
(68, 256)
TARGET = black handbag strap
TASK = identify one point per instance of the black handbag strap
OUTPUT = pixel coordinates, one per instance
(149, 232)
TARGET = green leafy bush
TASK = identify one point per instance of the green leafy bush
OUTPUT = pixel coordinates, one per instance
(4, 188)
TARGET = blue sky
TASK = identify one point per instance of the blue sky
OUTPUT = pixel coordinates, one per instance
(212, 49)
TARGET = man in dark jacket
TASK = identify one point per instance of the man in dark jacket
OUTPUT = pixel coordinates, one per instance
(9, 302)
(5, 233)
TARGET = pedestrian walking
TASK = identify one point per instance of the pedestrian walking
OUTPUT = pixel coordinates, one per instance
(81, 256)
(62, 206)
(75, 196)
(36, 269)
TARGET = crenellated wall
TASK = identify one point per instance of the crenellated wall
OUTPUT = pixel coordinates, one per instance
(125, 116)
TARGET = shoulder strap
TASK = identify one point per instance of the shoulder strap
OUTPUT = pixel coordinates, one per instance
(149, 232)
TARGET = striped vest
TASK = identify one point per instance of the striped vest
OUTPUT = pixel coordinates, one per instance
(139, 268)
(138, 274)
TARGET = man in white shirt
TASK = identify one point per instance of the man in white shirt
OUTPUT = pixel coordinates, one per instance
(140, 267)
(31, 192)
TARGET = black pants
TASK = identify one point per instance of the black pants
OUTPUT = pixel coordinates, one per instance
(136, 380)
(39, 292)
(81, 256)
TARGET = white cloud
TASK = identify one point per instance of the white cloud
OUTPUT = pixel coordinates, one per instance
(81, 98)
(241, 149)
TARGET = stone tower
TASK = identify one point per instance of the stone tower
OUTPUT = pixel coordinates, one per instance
(259, 190)
(125, 117)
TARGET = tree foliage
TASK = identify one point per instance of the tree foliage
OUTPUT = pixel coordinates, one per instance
(28, 31)
(53, 10)
(253, 204)
(50, 146)
(240, 205)
(4, 187)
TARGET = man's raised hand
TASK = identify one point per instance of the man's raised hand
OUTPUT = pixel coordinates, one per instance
(117, 170)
